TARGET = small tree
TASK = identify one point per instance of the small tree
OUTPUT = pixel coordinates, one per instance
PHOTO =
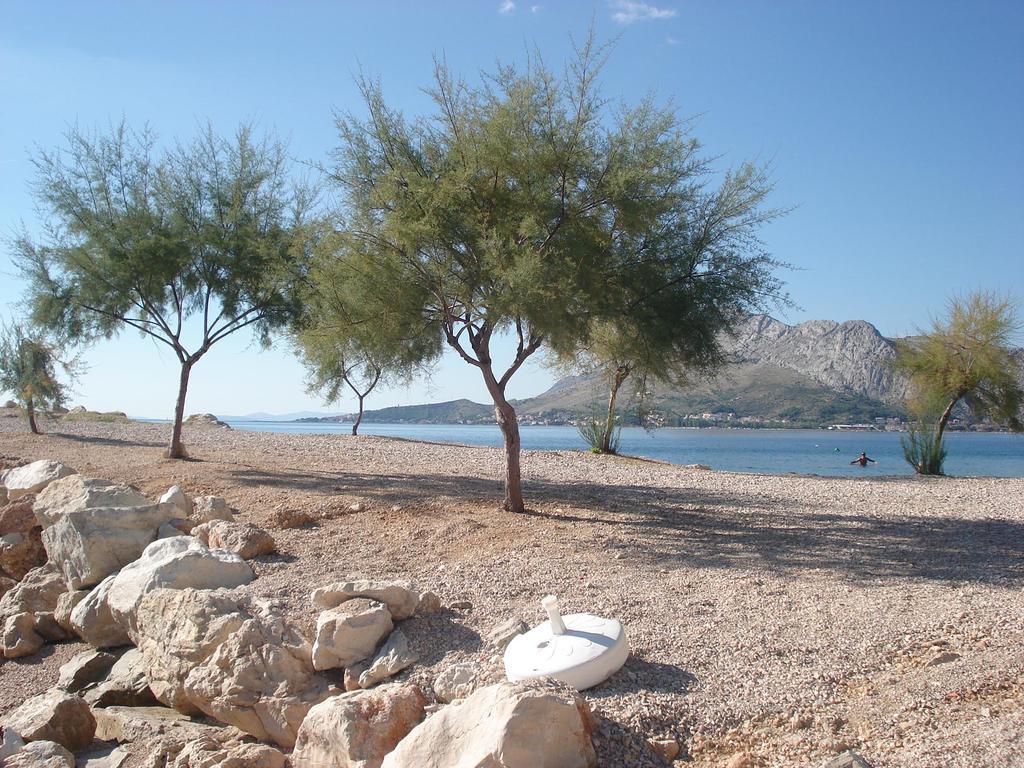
(348, 336)
(28, 369)
(208, 234)
(504, 213)
(966, 357)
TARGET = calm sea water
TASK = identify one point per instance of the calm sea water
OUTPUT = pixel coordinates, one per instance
(736, 450)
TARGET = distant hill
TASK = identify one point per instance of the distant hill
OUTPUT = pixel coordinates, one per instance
(815, 373)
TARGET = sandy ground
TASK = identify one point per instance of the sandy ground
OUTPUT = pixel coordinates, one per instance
(774, 620)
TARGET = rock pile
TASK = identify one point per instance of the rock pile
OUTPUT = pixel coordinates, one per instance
(189, 669)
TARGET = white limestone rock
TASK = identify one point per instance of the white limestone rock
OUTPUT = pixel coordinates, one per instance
(207, 508)
(244, 539)
(20, 637)
(41, 754)
(260, 679)
(508, 725)
(32, 478)
(400, 597)
(391, 659)
(54, 716)
(176, 496)
(181, 562)
(356, 730)
(93, 621)
(75, 493)
(38, 592)
(350, 633)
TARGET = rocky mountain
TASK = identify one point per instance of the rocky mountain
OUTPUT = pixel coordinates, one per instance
(848, 357)
(818, 372)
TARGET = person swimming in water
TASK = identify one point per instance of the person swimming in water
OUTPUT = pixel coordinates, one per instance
(863, 460)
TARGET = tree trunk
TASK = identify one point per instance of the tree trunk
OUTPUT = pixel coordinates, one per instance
(609, 426)
(359, 418)
(30, 411)
(505, 415)
(176, 449)
(508, 423)
(944, 418)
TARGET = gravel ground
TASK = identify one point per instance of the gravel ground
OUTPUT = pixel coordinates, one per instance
(774, 620)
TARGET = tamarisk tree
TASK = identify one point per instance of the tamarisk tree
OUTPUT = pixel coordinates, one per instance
(28, 369)
(967, 357)
(186, 246)
(500, 214)
(347, 336)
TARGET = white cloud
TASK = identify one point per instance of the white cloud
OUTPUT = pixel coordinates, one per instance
(535, 8)
(628, 11)
(507, 6)
(671, 40)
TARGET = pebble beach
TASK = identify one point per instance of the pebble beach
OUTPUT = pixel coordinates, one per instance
(773, 620)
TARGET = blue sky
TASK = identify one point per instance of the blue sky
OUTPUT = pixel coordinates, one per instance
(896, 132)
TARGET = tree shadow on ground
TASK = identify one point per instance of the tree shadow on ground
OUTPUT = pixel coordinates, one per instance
(108, 441)
(698, 528)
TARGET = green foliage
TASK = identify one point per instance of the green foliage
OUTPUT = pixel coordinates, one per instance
(28, 370)
(346, 336)
(530, 205)
(924, 449)
(136, 237)
(968, 355)
(594, 432)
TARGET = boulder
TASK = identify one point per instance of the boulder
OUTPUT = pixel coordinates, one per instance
(38, 592)
(32, 478)
(3, 496)
(18, 517)
(10, 743)
(207, 752)
(176, 630)
(356, 730)
(207, 508)
(49, 629)
(350, 633)
(125, 685)
(6, 585)
(92, 620)
(20, 636)
(75, 493)
(177, 563)
(84, 669)
(21, 552)
(213, 652)
(536, 724)
(145, 724)
(41, 754)
(391, 659)
(260, 679)
(456, 681)
(66, 604)
(176, 496)
(54, 716)
(92, 543)
(400, 597)
(244, 539)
